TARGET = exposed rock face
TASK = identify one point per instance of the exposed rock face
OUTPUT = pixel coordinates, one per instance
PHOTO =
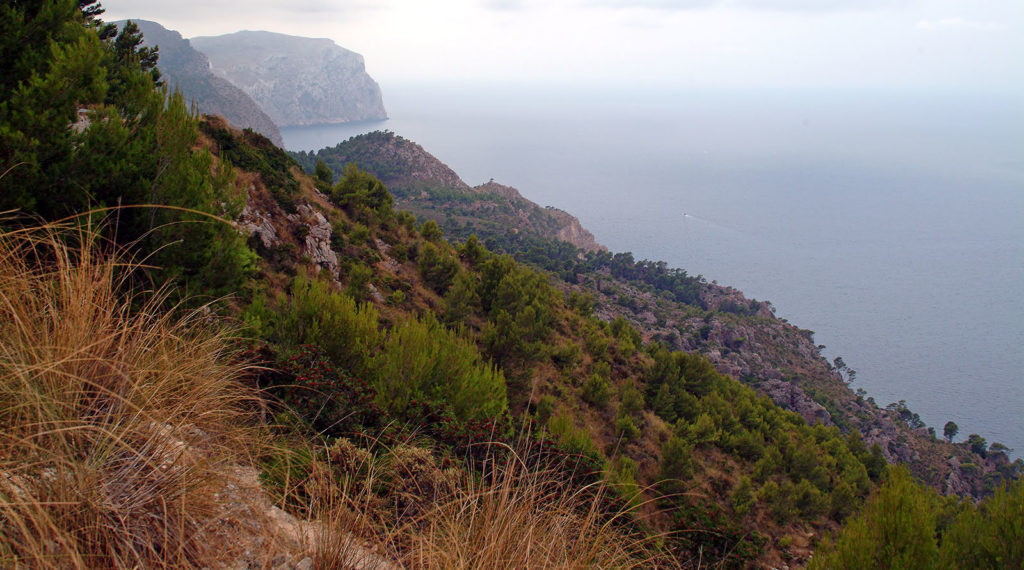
(318, 238)
(791, 397)
(189, 70)
(258, 223)
(297, 81)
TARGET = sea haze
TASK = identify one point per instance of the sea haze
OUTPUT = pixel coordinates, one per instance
(891, 224)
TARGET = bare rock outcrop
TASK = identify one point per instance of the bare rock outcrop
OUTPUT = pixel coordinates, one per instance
(256, 222)
(789, 396)
(317, 241)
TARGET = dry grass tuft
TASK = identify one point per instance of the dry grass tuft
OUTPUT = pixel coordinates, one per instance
(120, 418)
(521, 517)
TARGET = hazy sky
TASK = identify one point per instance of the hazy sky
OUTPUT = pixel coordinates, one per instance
(778, 43)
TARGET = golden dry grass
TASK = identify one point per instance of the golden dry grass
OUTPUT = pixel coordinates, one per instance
(119, 417)
(398, 507)
(525, 518)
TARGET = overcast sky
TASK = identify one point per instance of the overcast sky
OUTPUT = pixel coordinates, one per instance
(947, 44)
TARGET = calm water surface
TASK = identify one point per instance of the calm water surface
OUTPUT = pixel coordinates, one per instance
(891, 224)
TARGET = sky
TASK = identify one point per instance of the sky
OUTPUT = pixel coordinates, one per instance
(923, 44)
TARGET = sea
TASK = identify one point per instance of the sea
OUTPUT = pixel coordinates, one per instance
(889, 222)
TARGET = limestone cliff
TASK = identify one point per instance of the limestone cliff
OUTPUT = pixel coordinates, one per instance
(297, 81)
(186, 69)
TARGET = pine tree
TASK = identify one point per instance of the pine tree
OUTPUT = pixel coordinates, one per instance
(895, 531)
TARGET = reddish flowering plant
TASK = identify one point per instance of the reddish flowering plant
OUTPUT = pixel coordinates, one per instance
(332, 400)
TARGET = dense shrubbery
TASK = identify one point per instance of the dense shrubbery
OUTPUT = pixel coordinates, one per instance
(359, 190)
(907, 525)
(304, 379)
(417, 360)
(422, 360)
(799, 471)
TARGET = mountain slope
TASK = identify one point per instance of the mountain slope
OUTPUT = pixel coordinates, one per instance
(742, 337)
(428, 188)
(189, 70)
(297, 81)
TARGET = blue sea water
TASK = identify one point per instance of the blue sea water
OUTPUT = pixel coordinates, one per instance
(890, 223)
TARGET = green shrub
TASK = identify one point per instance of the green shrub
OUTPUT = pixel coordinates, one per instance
(359, 276)
(990, 535)
(748, 445)
(704, 431)
(396, 298)
(575, 440)
(360, 234)
(422, 360)
(809, 500)
(626, 428)
(622, 473)
(566, 356)
(545, 407)
(743, 496)
(462, 299)
(597, 390)
(895, 530)
(359, 190)
(406, 220)
(582, 303)
(676, 464)
(437, 267)
(431, 231)
(631, 400)
(316, 314)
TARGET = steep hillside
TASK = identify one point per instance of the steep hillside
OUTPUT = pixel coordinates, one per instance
(186, 69)
(727, 474)
(742, 337)
(297, 81)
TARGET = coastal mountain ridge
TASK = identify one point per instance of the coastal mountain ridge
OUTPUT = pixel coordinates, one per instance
(187, 69)
(419, 182)
(297, 81)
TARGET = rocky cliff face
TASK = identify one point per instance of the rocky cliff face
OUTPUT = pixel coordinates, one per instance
(189, 70)
(297, 81)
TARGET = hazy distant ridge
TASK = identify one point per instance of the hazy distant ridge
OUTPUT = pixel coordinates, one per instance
(189, 70)
(297, 81)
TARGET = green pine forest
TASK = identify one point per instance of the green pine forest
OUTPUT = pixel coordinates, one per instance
(182, 300)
